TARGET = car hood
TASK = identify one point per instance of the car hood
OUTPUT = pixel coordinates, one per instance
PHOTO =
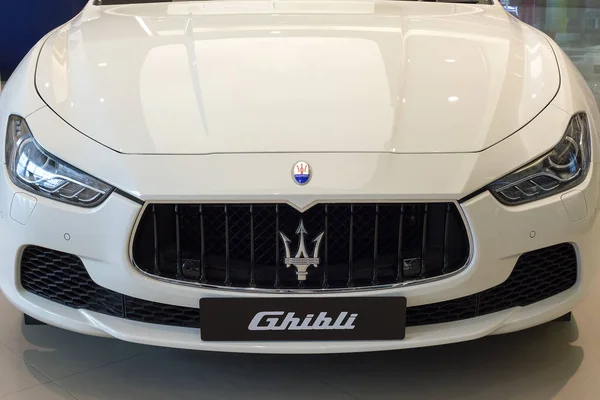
(297, 76)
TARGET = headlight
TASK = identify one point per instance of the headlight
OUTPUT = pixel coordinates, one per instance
(33, 169)
(564, 167)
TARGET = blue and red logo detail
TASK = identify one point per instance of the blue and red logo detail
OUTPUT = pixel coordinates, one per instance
(301, 173)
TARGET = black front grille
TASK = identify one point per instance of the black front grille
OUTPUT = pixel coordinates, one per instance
(243, 245)
(63, 278)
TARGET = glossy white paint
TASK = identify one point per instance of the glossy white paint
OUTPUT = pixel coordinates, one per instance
(297, 76)
(338, 176)
(361, 144)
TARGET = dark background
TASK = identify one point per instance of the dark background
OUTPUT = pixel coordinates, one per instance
(24, 22)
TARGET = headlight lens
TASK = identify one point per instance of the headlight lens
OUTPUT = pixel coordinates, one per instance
(33, 169)
(564, 167)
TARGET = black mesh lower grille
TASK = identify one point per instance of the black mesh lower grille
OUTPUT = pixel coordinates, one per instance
(541, 274)
(62, 278)
(537, 275)
(162, 314)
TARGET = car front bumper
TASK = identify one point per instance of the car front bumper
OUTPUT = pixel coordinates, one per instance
(101, 238)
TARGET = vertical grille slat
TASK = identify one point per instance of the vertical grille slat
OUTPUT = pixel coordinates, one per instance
(325, 284)
(202, 247)
(252, 255)
(242, 245)
(351, 249)
(424, 240)
(277, 251)
(375, 244)
(400, 272)
(227, 248)
(155, 234)
(445, 244)
(179, 265)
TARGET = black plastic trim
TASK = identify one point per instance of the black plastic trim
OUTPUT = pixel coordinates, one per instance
(473, 195)
(129, 196)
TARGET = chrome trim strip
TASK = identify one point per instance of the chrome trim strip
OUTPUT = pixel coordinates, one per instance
(304, 291)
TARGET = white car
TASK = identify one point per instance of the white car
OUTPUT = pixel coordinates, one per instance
(297, 176)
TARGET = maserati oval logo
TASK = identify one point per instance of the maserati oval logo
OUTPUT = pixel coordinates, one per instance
(302, 260)
(301, 173)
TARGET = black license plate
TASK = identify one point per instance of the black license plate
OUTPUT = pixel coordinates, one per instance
(274, 319)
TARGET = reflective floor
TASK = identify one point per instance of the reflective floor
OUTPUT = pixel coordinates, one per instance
(557, 360)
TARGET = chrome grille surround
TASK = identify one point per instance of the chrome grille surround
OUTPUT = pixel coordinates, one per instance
(176, 277)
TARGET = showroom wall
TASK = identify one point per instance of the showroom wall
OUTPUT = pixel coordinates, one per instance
(24, 22)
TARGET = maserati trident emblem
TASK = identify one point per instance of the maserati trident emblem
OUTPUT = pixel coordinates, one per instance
(302, 260)
(301, 173)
